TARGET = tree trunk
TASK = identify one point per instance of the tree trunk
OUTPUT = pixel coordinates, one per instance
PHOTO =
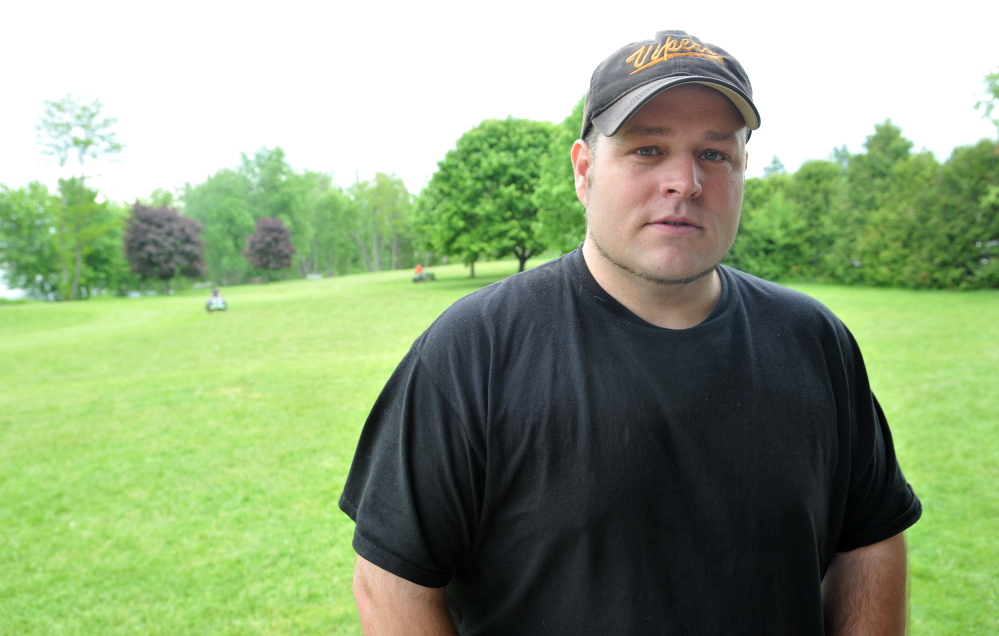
(395, 251)
(376, 250)
(76, 272)
(64, 288)
(363, 249)
(522, 256)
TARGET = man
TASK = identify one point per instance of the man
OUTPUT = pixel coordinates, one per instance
(634, 439)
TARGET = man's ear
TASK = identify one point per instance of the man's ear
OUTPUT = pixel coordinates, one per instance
(581, 158)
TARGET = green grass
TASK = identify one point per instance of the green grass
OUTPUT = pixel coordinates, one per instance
(166, 471)
(933, 358)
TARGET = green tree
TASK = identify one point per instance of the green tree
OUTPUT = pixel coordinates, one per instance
(870, 172)
(480, 202)
(991, 196)
(769, 243)
(272, 193)
(160, 198)
(775, 168)
(105, 267)
(869, 178)
(222, 205)
(892, 245)
(966, 238)
(81, 222)
(816, 193)
(990, 102)
(68, 128)
(34, 259)
(230, 202)
(380, 225)
(561, 220)
(29, 253)
(73, 127)
(321, 230)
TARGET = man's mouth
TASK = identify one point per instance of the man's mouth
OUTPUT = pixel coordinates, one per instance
(676, 228)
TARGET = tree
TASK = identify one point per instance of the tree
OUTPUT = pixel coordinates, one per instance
(990, 102)
(776, 167)
(869, 176)
(816, 193)
(990, 198)
(105, 267)
(481, 199)
(272, 192)
(230, 202)
(80, 222)
(29, 253)
(161, 243)
(965, 238)
(32, 243)
(324, 243)
(160, 198)
(379, 228)
(768, 244)
(870, 172)
(72, 127)
(561, 220)
(222, 205)
(892, 244)
(269, 247)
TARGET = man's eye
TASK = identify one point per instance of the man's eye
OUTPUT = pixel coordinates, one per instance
(712, 155)
(648, 151)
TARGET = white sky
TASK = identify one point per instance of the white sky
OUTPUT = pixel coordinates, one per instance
(360, 87)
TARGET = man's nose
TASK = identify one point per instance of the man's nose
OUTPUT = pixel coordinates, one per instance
(680, 178)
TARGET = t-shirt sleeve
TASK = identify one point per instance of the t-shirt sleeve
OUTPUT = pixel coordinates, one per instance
(880, 503)
(412, 486)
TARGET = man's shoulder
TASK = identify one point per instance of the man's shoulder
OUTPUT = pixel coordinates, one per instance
(519, 297)
(496, 321)
(767, 300)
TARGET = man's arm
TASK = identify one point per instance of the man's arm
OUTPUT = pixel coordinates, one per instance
(391, 605)
(864, 591)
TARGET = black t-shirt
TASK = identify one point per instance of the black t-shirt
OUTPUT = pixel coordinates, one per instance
(564, 467)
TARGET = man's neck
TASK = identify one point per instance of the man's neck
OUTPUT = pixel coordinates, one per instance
(678, 306)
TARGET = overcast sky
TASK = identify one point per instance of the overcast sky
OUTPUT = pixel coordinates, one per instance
(361, 87)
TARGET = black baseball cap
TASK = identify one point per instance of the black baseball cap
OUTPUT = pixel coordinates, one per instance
(636, 73)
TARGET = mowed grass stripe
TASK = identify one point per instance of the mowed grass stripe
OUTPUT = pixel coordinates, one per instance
(167, 471)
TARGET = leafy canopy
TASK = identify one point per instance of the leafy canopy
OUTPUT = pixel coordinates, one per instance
(561, 219)
(269, 247)
(161, 243)
(480, 202)
(71, 126)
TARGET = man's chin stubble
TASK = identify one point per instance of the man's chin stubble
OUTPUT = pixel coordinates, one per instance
(663, 282)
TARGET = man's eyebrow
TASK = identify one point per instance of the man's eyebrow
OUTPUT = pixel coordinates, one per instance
(717, 136)
(646, 131)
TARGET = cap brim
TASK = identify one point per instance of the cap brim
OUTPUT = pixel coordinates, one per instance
(610, 121)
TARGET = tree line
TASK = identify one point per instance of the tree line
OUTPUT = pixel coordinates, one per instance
(259, 220)
(886, 216)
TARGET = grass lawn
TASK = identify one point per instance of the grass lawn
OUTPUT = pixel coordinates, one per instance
(166, 471)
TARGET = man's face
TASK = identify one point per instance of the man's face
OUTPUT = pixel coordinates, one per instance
(663, 195)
